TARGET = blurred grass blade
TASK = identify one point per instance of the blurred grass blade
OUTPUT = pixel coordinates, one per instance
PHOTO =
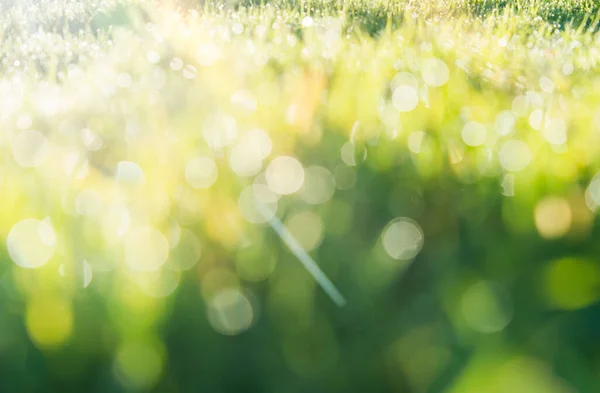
(302, 255)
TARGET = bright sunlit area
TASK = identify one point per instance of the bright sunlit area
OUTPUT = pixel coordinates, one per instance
(294, 196)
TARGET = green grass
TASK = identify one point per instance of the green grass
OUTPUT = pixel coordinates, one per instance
(139, 132)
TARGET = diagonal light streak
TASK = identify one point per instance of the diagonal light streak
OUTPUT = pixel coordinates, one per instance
(302, 255)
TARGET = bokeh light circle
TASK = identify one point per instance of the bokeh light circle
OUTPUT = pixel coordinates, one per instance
(435, 72)
(31, 243)
(201, 172)
(285, 175)
(487, 307)
(146, 248)
(515, 155)
(403, 238)
(319, 185)
(29, 148)
(230, 312)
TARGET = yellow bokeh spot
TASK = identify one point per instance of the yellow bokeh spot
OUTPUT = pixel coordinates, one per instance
(139, 364)
(571, 283)
(553, 217)
(252, 264)
(49, 321)
(218, 279)
(223, 222)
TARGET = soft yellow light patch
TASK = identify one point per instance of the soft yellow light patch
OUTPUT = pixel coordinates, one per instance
(31, 243)
(514, 155)
(571, 283)
(307, 229)
(29, 148)
(230, 312)
(49, 321)
(201, 172)
(553, 217)
(474, 134)
(146, 248)
(139, 364)
(186, 253)
(285, 175)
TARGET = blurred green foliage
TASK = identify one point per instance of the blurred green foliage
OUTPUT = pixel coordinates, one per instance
(438, 160)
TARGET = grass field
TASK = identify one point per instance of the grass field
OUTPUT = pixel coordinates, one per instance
(299, 196)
